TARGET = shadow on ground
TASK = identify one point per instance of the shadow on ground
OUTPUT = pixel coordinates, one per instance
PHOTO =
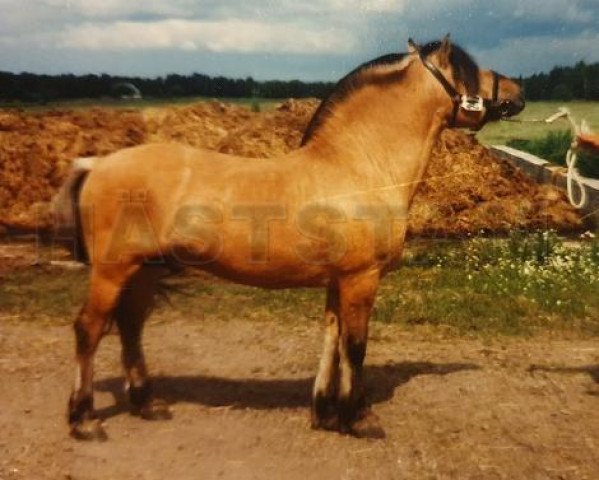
(381, 382)
(591, 370)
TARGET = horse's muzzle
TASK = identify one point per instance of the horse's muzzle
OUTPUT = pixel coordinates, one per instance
(502, 109)
(510, 108)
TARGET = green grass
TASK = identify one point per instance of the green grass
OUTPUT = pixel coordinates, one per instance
(42, 294)
(521, 285)
(554, 147)
(516, 286)
(501, 132)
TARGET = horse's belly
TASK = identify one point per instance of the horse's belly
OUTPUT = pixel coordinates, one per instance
(283, 257)
(267, 277)
(253, 264)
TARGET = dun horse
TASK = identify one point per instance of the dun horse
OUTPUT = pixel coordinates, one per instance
(332, 214)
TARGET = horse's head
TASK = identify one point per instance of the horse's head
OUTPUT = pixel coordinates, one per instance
(478, 96)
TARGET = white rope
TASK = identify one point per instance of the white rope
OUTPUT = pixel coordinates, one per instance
(572, 178)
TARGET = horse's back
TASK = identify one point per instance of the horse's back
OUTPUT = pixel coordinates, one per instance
(154, 158)
(156, 169)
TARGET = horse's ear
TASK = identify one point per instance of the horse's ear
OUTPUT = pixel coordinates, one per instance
(413, 47)
(445, 51)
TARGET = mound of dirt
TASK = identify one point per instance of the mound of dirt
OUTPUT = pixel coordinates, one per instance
(271, 133)
(36, 151)
(203, 125)
(467, 190)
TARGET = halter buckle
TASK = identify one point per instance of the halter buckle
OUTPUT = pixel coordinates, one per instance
(472, 104)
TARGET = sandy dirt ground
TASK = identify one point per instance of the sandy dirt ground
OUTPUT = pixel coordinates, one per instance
(240, 390)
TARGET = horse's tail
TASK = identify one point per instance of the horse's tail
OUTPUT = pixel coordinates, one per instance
(65, 207)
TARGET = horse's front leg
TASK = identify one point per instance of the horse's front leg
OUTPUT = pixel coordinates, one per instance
(356, 298)
(324, 394)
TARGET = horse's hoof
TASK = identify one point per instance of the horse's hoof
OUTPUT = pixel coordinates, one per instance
(329, 422)
(155, 410)
(89, 430)
(325, 415)
(367, 426)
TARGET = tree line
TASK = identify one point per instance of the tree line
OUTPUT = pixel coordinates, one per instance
(28, 87)
(580, 82)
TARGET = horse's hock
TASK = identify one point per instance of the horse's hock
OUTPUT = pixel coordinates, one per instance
(467, 189)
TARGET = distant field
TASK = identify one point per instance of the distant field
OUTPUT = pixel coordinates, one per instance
(265, 103)
(493, 134)
(500, 133)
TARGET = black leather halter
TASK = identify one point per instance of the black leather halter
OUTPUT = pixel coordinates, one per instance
(494, 109)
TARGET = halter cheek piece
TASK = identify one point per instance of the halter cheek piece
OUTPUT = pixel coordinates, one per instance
(493, 108)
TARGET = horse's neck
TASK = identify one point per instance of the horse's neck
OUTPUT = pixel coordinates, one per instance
(386, 137)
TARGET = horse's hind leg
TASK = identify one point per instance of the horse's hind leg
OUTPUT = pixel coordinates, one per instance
(324, 395)
(90, 325)
(135, 304)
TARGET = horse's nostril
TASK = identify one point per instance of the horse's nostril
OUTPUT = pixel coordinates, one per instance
(510, 108)
(513, 107)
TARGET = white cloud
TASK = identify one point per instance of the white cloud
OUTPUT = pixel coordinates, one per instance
(374, 6)
(213, 36)
(98, 8)
(116, 8)
(511, 35)
(104, 9)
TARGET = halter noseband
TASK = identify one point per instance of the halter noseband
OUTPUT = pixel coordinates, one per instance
(492, 107)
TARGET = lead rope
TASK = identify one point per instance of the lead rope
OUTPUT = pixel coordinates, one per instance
(572, 178)
(574, 181)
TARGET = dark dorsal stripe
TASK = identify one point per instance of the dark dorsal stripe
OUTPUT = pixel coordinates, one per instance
(464, 69)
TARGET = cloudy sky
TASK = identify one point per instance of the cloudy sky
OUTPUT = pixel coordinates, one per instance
(285, 39)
